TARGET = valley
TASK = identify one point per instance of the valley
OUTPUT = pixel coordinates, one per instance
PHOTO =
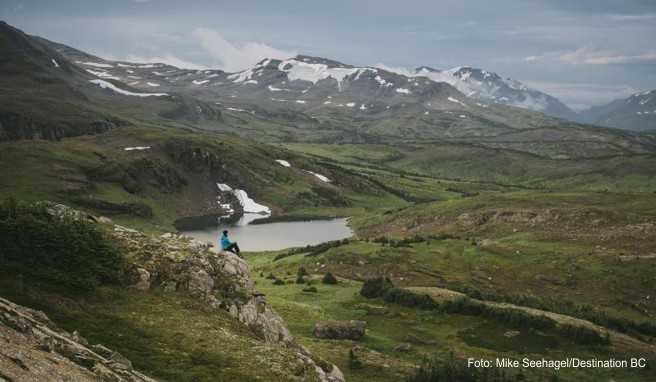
(484, 228)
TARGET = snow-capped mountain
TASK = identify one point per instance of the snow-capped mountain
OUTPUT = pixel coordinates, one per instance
(302, 82)
(637, 112)
(488, 86)
(305, 92)
(301, 99)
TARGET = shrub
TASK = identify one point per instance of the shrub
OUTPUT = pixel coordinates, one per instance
(300, 279)
(55, 250)
(354, 361)
(328, 278)
(456, 370)
(375, 287)
(406, 298)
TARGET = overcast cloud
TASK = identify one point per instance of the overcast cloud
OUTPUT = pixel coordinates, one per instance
(585, 52)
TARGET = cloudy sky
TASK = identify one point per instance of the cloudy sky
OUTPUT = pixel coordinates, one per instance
(584, 52)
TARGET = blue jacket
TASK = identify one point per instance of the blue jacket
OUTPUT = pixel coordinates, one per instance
(225, 242)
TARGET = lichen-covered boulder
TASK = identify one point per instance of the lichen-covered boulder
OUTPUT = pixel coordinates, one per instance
(340, 330)
(141, 279)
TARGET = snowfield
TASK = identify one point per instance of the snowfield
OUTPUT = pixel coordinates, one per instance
(108, 85)
(249, 205)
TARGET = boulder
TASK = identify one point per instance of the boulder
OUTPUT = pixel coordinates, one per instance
(141, 279)
(340, 330)
(402, 348)
(418, 340)
(200, 282)
(373, 310)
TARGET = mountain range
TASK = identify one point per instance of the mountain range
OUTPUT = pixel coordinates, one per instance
(637, 112)
(306, 82)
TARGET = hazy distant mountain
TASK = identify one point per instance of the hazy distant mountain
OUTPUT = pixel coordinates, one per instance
(489, 86)
(637, 113)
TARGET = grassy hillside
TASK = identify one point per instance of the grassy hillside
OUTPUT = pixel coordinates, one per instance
(79, 273)
(383, 354)
(177, 176)
(537, 165)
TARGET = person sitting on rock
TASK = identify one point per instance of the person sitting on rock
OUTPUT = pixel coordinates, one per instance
(229, 246)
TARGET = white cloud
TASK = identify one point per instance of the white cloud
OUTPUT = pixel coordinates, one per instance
(592, 56)
(580, 96)
(168, 59)
(233, 57)
(633, 18)
(395, 69)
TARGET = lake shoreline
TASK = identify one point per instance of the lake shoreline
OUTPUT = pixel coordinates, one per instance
(263, 234)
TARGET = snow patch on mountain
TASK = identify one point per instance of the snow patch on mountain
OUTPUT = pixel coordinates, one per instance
(241, 76)
(249, 205)
(95, 64)
(311, 72)
(137, 148)
(108, 85)
(454, 100)
(283, 163)
(319, 176)
(102, 74)
(383, 82)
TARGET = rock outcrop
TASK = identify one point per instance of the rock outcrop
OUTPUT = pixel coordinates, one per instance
(176, 263)
(32, 348)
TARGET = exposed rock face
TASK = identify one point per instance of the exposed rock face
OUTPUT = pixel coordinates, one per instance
(340, 330)
(222, 280)
(32, 348)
